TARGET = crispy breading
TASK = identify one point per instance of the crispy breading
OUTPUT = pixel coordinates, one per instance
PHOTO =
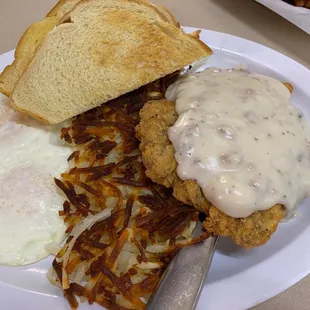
(158, 158)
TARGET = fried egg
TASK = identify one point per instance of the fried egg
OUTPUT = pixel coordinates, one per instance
(30, 157)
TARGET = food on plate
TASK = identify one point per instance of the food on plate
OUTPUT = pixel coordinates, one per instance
(34, 35)
(300, 3)
(28, 44)
(30, 227)
(123, 228)
(135, 168)
(99, 51)
(230, 143)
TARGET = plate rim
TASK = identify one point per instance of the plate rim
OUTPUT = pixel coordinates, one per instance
(12, 294)
(232, 284)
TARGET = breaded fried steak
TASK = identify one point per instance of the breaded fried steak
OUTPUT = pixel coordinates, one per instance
(300, 3)
(158, 157)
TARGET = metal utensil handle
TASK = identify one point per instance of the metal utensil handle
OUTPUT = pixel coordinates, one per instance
(183, 279)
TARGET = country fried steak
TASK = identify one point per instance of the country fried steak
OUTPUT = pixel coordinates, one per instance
(158, 158)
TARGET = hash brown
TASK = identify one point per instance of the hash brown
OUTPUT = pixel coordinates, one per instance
(123, 229)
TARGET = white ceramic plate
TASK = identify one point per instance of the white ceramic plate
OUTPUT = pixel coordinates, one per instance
(297, 15)
(238, 279)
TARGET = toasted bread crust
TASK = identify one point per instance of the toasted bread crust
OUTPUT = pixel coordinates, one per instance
(33, 36)
(62, 7)
(28, 44)
(77, 68)
(157, 117)
(24, 52)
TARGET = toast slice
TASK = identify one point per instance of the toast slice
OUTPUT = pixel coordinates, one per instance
(101, 50)
(33, 36)
(29, 43)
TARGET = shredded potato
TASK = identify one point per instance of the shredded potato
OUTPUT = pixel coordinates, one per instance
(123, 229)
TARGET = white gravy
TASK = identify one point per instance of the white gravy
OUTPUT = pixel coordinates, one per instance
(241, 140)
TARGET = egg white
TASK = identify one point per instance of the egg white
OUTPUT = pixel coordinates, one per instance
(29, 201)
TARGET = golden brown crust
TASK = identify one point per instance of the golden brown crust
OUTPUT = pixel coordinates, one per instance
(24, 52)
(28, 44)
(136, 45)
(155, 147)
(301, 3)
(33, 36)
(249, 232)
(62, 7)
(36, 116)
(158, 158)
(168, 15)
(289, 86)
